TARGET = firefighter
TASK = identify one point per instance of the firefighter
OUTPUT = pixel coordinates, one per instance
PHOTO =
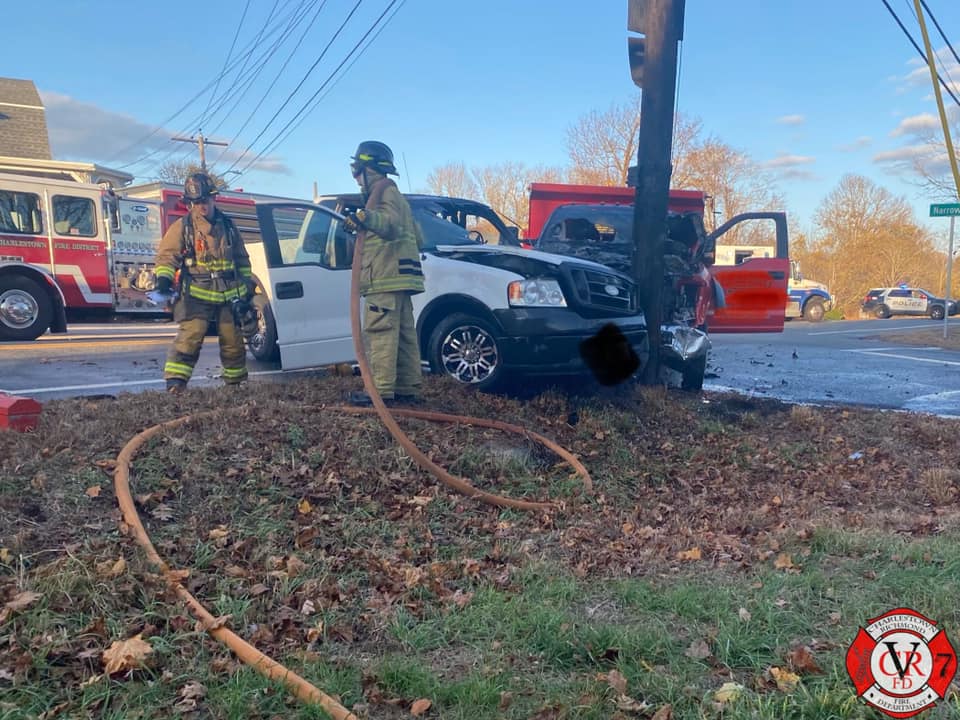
(214, 285)
(390, 275)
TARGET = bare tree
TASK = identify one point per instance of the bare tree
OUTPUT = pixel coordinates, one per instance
(177, 171)
(870, 238)
(505, 187)
(603, 145)
(452, 180)
(929, 166)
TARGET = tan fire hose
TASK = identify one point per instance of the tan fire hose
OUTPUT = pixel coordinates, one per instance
(260, 662)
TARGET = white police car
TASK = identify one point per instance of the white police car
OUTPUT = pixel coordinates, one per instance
(902, 300)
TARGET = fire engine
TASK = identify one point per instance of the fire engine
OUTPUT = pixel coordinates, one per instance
(72, 247)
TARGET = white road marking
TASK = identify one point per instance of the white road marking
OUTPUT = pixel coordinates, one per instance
(871, 329)
(157, 381)
(899, 356)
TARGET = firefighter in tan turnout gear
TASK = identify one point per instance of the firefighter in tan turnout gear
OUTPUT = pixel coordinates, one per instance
(214, 285)
(390, 275)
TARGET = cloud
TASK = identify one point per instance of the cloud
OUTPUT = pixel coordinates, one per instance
(916, 125)
(791, 120)
(791, 167)
(903, 154)
(86, 132)
(858, 144)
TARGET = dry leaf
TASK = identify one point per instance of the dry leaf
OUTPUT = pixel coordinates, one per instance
(111, 569)
(419, 707)
(698, 650)
(258, 589)
(835, 618)
(664, 713)
(802, 661)
(22, 601)
(728, 691)
(617, 681)
(4, 555)
(744, 614)
(316, 632)
(93, 491)
(304, 507)
(295, 566)
(786, 680)
(125, 655)
(691, 554)
(506, 699)
(628, 704)
(784, 562)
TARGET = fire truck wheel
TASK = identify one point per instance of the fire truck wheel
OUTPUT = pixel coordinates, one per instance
(25, 309)
(263, 344)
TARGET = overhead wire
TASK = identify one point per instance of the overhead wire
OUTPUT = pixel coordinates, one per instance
(226, 62)
(249, 50)
(919, 51)
(309, 105)
(343, 74)
(276, 77)
(293, 92)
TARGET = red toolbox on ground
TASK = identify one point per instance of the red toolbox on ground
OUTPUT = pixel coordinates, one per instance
(18, 413)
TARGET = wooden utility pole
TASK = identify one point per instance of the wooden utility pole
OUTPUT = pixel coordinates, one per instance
(653, 63)
(201, 142)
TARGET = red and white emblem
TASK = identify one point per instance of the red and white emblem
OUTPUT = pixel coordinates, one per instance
(901, 663)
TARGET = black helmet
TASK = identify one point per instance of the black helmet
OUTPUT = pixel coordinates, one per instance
(376, 155)
(198, 186)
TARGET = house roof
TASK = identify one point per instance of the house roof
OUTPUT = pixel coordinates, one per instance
(23, 123)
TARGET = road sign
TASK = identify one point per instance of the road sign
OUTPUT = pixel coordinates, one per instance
(945, 210)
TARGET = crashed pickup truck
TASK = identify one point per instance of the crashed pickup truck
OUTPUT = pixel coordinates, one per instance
(490, 312)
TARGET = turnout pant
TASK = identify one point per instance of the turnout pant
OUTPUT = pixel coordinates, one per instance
(390, 341)
(194, 317)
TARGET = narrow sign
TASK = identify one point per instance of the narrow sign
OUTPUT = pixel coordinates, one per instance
(945, 209)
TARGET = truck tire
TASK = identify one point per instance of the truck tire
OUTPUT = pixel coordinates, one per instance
(263, 344)
(25, 308)
(693, 373)
(936, 312)
(465, 348)
(882, 312)
(813, 311)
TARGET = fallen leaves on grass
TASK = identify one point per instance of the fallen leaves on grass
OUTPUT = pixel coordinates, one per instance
(698, 650)
(111, 568)
(93, 491)
(691, 554)
(786, 681)
(728, 692)
(419, 707)
(802, 661)
(125, 655)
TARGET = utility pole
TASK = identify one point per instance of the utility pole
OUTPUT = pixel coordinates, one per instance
(653, 66)
(201, 142)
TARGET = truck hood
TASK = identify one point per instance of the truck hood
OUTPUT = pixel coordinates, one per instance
(493, 251)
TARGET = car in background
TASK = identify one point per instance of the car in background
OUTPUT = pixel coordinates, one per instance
(901, 300)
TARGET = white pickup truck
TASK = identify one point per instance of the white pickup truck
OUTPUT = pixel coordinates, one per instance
(490, 311)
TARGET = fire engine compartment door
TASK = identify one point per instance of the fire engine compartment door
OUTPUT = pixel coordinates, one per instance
(79, 247)
(755, 289)
(308, 278)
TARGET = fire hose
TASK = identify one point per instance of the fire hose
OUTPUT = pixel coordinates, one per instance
(269, 668)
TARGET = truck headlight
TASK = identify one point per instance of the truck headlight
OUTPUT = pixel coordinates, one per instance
(535, 293)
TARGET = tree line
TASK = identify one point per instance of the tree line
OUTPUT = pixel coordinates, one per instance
(863, 235)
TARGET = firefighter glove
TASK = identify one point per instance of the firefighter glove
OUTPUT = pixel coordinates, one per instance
(354, 221)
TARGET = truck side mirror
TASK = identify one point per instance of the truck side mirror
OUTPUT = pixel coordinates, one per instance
(512, 235)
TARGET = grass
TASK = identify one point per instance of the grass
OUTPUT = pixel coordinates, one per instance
(721, 538)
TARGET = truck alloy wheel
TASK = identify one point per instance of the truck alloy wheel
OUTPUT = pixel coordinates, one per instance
(466, 349)
(263, 345)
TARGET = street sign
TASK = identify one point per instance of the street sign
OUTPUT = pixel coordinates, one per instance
(945, 210)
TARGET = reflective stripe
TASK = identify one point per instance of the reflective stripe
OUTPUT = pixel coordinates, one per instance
(234, 373)
(216, 296)
(164, 271)
(180, 370)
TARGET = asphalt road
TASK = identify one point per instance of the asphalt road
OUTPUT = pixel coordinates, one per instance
(850, 362)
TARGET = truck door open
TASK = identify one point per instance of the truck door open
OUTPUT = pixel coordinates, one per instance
(756, 289)
(307, 279)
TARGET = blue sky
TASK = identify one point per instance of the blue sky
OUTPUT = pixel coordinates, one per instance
(811, 89)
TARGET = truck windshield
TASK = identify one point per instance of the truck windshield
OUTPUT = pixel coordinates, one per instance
(438, 231)
(602, 233)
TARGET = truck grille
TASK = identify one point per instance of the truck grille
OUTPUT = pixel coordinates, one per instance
(602, 293)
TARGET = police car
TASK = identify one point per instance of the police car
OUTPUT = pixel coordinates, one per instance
(902, 300)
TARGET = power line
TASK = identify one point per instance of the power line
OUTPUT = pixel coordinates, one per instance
(248, 51)
(306, 108)
(229, 54)
(919, 51)
(300, 84)
(940, 30)
(276, 77)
